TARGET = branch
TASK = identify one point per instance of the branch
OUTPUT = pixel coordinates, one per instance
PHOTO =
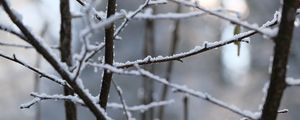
(142, 108)
(75, 99)
(46, 52)
(124, 105)
(221, 16)
(130, 16)
(9, 29)
(180, 88)
(42, 74)
(281, 52)
(197, 49)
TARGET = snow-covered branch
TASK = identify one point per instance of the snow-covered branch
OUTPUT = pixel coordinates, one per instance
(42, 74)
(49, 55)
(197, 49)
(130, 16)
(9, 29)
(141, 108)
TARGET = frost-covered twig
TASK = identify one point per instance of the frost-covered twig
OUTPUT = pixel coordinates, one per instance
(124, 105)
(12, 31)
(230, 19)
(42, 74)
(292, 81)
(197, 49)
(130, 16)
(40, 97)
(142, 108)
(47, 53)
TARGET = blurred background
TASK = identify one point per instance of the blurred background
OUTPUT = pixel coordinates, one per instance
(235, 80)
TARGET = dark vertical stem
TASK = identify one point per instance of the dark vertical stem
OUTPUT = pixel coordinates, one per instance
(148, 85)
(281, 52)
(65, 51)
(109, 55)
(175, 35)
(185, 108)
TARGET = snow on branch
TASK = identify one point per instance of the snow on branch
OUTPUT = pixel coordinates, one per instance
(141, 108)
(12, 31)
(292, 81)
(180, 88)
(49, 55)
(40, 97)
(197, 49)
(263, 31)
(130, 16)
(42, 74)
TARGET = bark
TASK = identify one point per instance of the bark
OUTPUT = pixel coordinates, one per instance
(281, 52)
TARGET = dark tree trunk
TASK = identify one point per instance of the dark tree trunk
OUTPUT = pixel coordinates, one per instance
(281, 52)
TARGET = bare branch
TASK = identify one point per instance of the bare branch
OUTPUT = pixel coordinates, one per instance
(181, 88)
(46, 52)
(198, 49)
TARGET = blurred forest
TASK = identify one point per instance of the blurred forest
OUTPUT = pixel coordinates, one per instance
(220, 72)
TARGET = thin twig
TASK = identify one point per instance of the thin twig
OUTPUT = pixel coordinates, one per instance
(41, 74)
(124, 105)
(12, 31)
(124, 23)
